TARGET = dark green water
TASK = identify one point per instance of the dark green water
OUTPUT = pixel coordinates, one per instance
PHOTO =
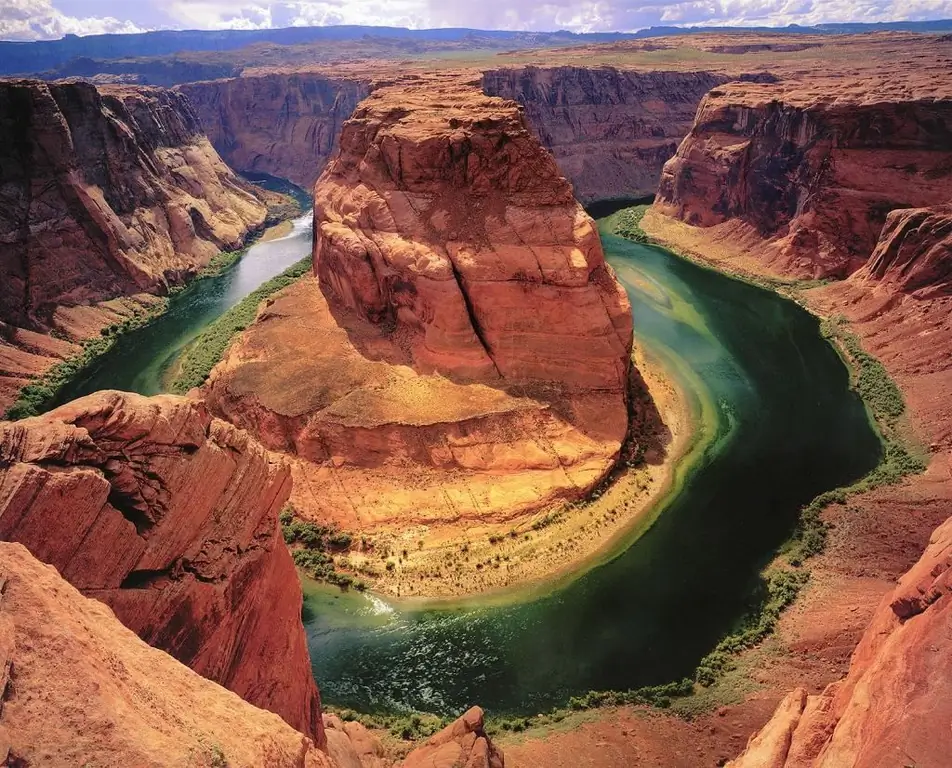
(141, 360)
(777, 425)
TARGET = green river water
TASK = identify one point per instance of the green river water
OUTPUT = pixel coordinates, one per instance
(776, 425)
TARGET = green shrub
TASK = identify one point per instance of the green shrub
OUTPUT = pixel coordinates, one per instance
(207, 350)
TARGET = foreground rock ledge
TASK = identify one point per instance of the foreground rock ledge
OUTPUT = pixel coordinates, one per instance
(169, 517)
(465, 352)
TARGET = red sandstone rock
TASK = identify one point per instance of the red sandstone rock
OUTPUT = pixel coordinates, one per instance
(466, 354)
(80, 689)
(806, 173)
(610, 130)
(462, 744)
(445, 218)
(283, 124)
(914, 252)
(170, 517)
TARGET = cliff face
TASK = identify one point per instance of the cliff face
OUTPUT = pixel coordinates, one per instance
(893, 708)
(107, 193)
(169, 517)
(914, 252)
(470, 343)
(611, 131)
(285, 125)
(807, 176)
(81, 689)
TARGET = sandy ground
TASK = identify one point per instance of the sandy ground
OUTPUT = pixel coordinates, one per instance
(448, 560)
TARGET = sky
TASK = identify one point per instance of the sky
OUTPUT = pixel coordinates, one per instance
(51, 19)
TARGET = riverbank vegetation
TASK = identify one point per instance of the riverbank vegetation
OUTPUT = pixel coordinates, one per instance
(313, 549)
(207, 350)
(40, 395)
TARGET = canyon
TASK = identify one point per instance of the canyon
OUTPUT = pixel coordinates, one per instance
(460, 357)
(110, 197)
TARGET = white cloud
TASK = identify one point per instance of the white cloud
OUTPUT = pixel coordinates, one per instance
(38, 19)
(35, 19)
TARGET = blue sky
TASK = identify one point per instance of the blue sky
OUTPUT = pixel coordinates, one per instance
(45, 19)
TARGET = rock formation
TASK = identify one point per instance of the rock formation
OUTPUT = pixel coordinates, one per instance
(169, 517)
(283, 124)
(806, 174)
(80, 689)
(106, 193)
(470, 343)
(914, 252)
(893, 708)
(610, 130)
(462, 744)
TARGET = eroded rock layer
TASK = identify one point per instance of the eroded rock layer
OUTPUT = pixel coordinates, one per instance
(79, 688)
(105, 194)
(466, 350)
(806, 174)
(283, 124)
(169, 517)
(611, 131)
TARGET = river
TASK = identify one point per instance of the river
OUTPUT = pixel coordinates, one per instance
(776, 425)
(142, 360)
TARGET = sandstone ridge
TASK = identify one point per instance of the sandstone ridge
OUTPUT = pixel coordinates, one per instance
(807, 174)
(108, 193)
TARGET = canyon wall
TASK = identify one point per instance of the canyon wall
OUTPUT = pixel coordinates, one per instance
(471, 344)
(805, 174)
(893, 708)
(169, 517)
(108, 195)
(610, 130)
(283, 124)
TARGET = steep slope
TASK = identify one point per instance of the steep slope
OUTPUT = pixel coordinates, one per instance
(610, 130)
(106, 194)
(81, 689)
(893, 708)
(807, 172)
(283, 124)
(464, 353)
(169, 517)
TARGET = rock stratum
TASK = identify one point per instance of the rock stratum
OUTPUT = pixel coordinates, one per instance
(610, 130)
(284, 124)
(807, 174)
(470, 346)
(168, 516)
(106, 193)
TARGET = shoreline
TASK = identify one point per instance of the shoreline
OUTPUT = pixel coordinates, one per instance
(549, 548)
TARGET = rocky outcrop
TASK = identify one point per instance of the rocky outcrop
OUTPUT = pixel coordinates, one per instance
(169, 517)
(914, 252)
(610, 130)
(806, 174)
(80, 689)
(462, 744)
(893, 708)
(465, 352)
(283, 124)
